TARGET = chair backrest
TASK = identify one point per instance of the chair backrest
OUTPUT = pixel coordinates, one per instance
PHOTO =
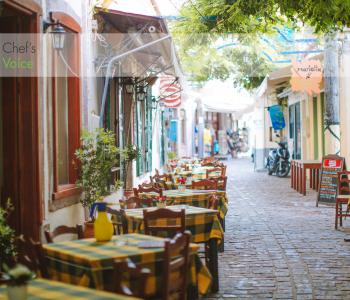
(207, 184)
(63, 229)
(344, 183)
(169, 222)
(215, 172)
(221, 181)
(141, 189)
(160, 181)
(31, 254)
(175, 266)
(136, 276)
(132, 202)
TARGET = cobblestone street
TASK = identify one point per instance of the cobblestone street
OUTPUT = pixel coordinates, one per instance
(278, 245)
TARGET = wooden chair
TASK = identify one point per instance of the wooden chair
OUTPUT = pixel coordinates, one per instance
(146, 185)
(215, 172)
(122, 269)
(31, 254)
(132, 202)
(138, 191)
(175, 266)
(221, 181)
(159, 181)
(206, 184)
(63, 229)
(164, 214)
(136, 202)
(343, 197)
(120, 222)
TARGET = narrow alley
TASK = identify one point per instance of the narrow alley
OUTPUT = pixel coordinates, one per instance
(278, 244)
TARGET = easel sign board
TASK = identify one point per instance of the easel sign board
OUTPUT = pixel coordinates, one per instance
(331, 165)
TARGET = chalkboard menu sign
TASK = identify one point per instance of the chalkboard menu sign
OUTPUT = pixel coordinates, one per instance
(331, 165)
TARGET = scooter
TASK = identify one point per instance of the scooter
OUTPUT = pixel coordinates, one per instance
(278, 161)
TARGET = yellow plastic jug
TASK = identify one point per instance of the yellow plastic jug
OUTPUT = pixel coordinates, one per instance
(103, 227)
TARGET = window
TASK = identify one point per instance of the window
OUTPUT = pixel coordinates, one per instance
(65, 94)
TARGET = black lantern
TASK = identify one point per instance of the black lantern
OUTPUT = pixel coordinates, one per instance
(58, 37)
(141, 93)
(128, 84)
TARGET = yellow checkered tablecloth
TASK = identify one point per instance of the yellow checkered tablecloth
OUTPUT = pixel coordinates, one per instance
(201, 222)
(89, 263)
(42, 289)
(198, 198)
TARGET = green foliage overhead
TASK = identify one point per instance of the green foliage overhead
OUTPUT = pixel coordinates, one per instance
(202, 61)
(97, 156)
(249, 16)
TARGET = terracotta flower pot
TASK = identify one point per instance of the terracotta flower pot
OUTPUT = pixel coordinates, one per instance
(89, 229)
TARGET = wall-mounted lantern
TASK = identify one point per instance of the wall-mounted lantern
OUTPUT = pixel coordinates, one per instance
(58, 35)
(141, 93)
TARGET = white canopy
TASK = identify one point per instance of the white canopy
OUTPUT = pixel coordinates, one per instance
(219, 96)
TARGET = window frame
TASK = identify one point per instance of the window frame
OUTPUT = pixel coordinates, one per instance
(62, 191)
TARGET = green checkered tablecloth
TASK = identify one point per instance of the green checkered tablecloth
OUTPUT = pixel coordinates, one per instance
(203, 223)
(89, 263)
(198, 198)
(195, 173)
(42, 289)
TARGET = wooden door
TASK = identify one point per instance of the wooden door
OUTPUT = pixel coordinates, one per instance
(19, 138)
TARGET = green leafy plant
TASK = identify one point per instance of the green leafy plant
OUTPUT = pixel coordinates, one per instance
(7, 236)
(128, 155)
(97, 156)
(251, 16)
(171, 155)
(18, 275)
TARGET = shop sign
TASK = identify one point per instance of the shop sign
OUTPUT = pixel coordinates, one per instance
(306, 76)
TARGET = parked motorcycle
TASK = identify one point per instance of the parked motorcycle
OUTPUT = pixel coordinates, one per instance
(278, 161)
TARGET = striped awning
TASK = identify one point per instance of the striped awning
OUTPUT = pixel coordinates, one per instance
(170, 91)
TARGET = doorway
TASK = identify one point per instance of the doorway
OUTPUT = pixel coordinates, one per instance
(19, 153)
(295, 129)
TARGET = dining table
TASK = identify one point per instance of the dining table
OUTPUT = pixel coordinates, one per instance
(195, 173)
(43, 289)
(203, 224)
(88, 263)
(193, 197)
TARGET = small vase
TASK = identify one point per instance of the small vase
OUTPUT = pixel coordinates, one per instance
(181, 188)
(19, 292)
(161, 204)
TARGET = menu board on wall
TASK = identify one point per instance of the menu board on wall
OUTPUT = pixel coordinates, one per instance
(331, 165)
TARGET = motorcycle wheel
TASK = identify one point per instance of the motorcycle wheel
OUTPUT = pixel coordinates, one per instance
(269, 167)
(283, 169)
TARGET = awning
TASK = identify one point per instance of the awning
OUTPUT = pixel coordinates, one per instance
(136, 46)
(124, 32)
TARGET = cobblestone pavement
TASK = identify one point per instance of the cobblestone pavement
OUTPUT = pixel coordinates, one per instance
(278, 245)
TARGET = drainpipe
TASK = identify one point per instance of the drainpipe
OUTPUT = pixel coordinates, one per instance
(109, 69)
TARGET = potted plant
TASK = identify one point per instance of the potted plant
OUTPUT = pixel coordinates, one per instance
(97, 156)
(128, 155)
(17, 279)
(7, 237)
